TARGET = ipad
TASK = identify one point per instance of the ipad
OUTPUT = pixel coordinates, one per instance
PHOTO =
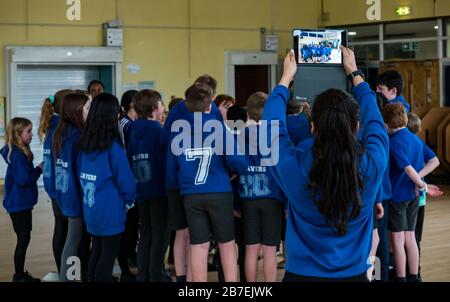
(320, 47)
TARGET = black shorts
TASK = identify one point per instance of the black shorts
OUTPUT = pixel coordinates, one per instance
(283, 224)
(21, 221)
(403, 216)
(262, 221)
(375, 220)
(177, 214)
(210, 214)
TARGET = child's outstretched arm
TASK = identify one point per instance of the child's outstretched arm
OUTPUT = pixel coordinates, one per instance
(275, 108)
(374, 135)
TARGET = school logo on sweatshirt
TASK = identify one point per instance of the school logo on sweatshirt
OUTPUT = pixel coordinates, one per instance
(61, 176)
(255, 183)
(88, 186)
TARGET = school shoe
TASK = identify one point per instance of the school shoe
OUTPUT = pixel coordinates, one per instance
(25, 277)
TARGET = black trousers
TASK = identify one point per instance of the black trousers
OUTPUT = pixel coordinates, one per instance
(59, 234)
(154, 238)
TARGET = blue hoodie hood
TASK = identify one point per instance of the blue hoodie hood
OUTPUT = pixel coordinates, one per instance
(299, 128)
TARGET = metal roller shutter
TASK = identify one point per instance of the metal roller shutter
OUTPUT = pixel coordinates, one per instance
(36, 82)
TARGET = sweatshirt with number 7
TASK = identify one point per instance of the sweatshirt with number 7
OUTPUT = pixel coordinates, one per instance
(196, 160)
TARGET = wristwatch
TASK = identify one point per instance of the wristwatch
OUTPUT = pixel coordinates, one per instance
(354, 74)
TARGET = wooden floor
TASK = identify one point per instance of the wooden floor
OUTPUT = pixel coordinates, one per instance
(435, 245)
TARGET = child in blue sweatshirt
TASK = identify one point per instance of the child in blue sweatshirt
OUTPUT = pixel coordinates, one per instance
(408, 165)
(415, 126)
(330, 184)
(390, 84)
(21, 193)
(107, 182)
(47, 125)
(201, 171)
(261, 197)
(177, 214)
(145, 154)
(68, 192)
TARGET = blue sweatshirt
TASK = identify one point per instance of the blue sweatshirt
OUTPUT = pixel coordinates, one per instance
(49, 163)
(177, 113)
(145, 154)
(256, 182)
(21, 177)
(313, 248)
(401, 99)
(406, 149)
(67, 186)
(196, 167)
(108, 185)
(299, 128)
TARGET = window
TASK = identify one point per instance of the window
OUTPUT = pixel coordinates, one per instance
(370, 52)
(411, 50)
(411, 30)
(363, 33)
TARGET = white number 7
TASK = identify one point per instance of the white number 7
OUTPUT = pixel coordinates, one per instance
(204, 155)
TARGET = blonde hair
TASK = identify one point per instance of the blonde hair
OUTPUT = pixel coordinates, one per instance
(52, 104)
(14, 130)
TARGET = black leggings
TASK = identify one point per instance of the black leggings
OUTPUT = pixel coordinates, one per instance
(129, 240)
(84, 252)
(22, 225)
(59, 234)
(131, 232)
(23, 240)
(101, 262)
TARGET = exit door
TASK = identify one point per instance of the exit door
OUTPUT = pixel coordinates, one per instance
(250, 79)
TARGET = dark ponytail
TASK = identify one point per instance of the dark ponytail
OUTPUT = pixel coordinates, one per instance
(334, 177)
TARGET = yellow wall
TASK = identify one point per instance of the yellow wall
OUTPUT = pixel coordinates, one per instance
(344, 12)
(173, 41)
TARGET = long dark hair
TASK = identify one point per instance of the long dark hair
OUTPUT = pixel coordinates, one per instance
(102, 125)
(71, 115)
(334, 177)
(125, 102)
